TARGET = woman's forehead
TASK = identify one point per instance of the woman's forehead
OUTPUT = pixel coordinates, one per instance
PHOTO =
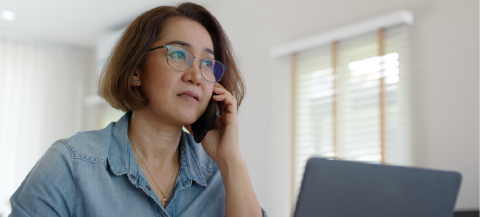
(186, 33)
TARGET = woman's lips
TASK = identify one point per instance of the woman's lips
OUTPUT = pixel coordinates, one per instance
(189, 95)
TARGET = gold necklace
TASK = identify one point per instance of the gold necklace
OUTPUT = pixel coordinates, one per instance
(164, 200)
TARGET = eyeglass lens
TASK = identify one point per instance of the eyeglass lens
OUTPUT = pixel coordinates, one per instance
(181, 59)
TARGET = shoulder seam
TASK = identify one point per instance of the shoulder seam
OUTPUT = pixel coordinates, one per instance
(90, 159)
(84, 157)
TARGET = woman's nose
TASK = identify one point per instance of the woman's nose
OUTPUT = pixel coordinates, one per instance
(194, 74)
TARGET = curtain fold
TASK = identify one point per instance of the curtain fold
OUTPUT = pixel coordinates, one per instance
(41, 100)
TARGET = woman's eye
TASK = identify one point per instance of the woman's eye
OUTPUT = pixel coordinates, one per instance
(177, 55)
(207, 63)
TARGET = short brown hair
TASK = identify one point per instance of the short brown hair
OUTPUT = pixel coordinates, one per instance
(128, 55)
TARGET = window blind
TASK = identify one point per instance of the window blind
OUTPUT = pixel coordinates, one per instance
(342, 109)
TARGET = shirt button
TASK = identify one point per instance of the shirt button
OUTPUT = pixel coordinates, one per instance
(132, 176)
(148, 187)
(187, 182)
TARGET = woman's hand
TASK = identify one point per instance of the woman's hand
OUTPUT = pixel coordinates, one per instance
(222, 143)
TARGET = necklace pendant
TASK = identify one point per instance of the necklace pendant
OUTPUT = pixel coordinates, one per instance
(164, 202)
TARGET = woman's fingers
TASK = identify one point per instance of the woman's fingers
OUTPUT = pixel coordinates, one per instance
(228, 100)
(219, 97)
(219, 90)
(225, 96)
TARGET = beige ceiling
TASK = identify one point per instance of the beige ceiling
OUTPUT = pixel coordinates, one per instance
(78, 22)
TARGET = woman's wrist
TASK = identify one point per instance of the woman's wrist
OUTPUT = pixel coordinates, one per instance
(233, 163)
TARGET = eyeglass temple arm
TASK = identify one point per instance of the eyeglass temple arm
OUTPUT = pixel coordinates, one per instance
(156, 48)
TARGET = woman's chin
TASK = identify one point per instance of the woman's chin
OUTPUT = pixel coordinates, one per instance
(189, 117)
(188, 120)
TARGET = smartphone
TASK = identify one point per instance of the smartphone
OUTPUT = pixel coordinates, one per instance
(206, 122)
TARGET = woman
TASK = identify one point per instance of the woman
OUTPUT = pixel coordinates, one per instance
(162, 73)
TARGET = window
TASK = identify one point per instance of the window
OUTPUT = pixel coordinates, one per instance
(348, 99)
(351, 100)
(339, 113)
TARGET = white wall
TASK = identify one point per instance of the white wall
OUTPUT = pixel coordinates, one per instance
(444, 45)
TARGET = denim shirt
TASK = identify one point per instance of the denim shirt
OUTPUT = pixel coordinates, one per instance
(95, 173)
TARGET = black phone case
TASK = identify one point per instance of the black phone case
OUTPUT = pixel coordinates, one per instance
(206, 122)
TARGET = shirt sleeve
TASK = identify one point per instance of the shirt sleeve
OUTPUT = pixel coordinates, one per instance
(49, 188)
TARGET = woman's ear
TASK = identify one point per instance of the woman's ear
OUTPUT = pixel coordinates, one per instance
(136, 79)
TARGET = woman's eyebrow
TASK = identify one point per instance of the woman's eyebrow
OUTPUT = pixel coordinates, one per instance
(186, 44)
(181, 43)
(208, 50)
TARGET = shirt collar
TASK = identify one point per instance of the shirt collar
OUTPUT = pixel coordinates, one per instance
(120, 151)
(190, 168)
(122, 160)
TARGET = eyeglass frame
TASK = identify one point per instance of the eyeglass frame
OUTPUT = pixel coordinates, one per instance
(201, 59)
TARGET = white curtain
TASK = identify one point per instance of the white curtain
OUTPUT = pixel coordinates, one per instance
(42, 88)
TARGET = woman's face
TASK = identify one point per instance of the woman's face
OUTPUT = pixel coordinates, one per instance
(164, 87)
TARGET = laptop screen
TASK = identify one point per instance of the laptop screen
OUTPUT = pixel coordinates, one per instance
(333, 188)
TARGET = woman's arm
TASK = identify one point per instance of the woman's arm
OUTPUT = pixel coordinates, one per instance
(240, 199)
(48, 190)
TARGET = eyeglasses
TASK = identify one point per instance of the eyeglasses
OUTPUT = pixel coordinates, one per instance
(181, 59)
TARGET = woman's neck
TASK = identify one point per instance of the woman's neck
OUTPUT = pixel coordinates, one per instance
(155, 141)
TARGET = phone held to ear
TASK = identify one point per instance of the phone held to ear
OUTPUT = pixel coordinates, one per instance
(206, 122)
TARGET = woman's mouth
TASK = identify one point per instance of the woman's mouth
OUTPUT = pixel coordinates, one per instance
(190, 96)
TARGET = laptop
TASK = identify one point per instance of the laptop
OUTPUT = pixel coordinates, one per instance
(333, 188)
